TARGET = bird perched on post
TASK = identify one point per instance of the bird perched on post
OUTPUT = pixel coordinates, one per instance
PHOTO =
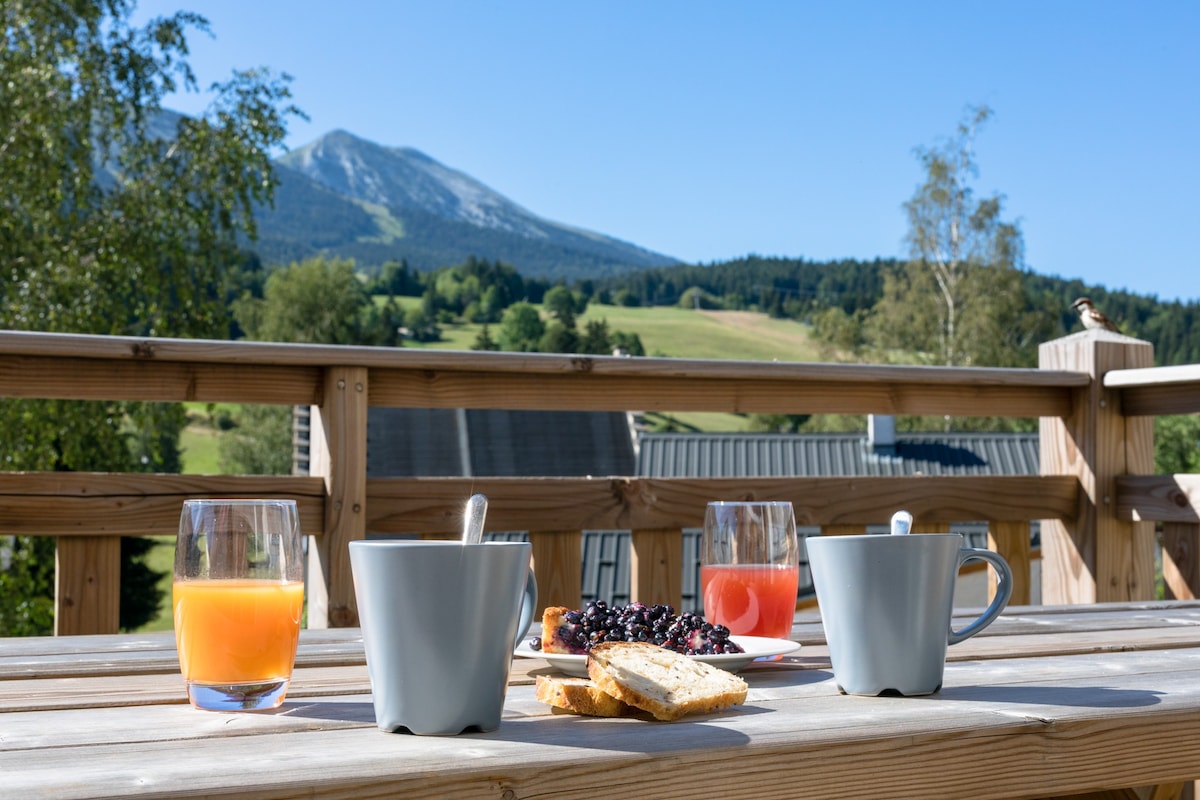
(1092, 317)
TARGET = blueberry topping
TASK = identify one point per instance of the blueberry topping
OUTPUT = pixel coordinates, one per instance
(688, 633)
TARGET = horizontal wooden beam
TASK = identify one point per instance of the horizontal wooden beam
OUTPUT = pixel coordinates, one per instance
(1158, 498)
(157, 381)
(779, 394)
(1154, 391)
(114, 368)
(434, 505)
(135, 504)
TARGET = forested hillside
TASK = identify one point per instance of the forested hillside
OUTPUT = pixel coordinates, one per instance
(804, 290)
(781, 286)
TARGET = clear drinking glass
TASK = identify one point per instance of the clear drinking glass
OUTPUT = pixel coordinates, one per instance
(238, 595)
(750, 567)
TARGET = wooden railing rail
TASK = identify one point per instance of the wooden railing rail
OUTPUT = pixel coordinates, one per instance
(1156, 391)
(89, 512)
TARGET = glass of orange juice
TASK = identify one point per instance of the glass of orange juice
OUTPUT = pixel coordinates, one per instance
(238, 594)
(750, 567)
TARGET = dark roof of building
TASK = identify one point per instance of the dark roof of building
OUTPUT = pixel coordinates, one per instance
(427, 442)
(497, 443)
(713, 455)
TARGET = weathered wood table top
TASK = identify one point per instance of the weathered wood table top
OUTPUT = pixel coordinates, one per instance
(1048, 701)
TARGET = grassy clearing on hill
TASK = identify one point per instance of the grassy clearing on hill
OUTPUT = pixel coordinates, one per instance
(680, 333)
(676, 333)
(727, 335)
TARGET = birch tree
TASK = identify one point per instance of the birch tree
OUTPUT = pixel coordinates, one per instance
(111, 222)
(959, 299)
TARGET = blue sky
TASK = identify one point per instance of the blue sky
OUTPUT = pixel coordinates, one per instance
(710, 130)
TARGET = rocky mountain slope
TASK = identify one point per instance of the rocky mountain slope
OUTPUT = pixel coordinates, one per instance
(345, 196)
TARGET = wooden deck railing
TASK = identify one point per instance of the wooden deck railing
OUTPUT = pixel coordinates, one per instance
(1093, 488)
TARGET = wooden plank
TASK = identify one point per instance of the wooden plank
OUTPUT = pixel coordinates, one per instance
(1092, 555)
(593, 391)
(1165, 498)
(330, 667)
(1160, 400)
(162, 381)
(135, 504)
(656, 566)
(1012, 541)
(1157, 391)
(86, 656)
(167, 369)
(998, 730)
(414, 505)
(558, 565)
(127, 348)
(118, 691)
(1181, 560)
(87, 584)
(338, 454)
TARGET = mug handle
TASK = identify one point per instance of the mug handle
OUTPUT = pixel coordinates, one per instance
(528, 608)
(1003, 591)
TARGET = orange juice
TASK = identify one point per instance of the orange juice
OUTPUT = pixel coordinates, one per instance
(238, 630)
(751, 599)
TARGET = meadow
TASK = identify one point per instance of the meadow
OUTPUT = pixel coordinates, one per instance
(676, 333)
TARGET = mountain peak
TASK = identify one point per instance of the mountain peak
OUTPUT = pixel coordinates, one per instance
(405, 189)
(403, 177)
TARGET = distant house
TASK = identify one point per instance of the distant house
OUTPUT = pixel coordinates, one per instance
(499, 443)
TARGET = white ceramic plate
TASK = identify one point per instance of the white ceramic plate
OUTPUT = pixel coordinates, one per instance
(755, 647)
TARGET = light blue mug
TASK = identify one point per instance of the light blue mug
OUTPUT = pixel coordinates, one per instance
(886, 604)
(440, 621)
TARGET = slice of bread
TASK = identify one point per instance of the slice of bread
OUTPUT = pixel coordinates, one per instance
(665, 683)
(581, 696)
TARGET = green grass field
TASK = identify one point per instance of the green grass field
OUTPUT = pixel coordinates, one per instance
(681, 333)
(676, 333)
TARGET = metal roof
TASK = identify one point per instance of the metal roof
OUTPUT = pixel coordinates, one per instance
(429, 442)
(730, 455)
(496, 443)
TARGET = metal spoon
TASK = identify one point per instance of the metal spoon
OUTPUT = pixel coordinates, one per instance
(901, 522)
(473, 515)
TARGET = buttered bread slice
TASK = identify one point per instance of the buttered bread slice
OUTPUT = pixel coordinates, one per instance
(665, 683)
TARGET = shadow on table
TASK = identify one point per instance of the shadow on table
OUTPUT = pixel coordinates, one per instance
(623, 734)
(1076, 696)
(331, 712)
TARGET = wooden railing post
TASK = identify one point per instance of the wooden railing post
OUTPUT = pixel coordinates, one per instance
(87, 585)
(1011, 540)
(656, 566)
(558, 565)
(1096, 557)
(1180, 560)
(338, 453)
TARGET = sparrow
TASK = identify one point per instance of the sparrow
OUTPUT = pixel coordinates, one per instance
(1092, 317)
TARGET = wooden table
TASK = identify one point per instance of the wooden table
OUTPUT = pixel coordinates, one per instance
(1047, 702)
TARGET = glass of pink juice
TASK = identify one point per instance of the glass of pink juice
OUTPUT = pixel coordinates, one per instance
(750, 567)
(238, 595)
